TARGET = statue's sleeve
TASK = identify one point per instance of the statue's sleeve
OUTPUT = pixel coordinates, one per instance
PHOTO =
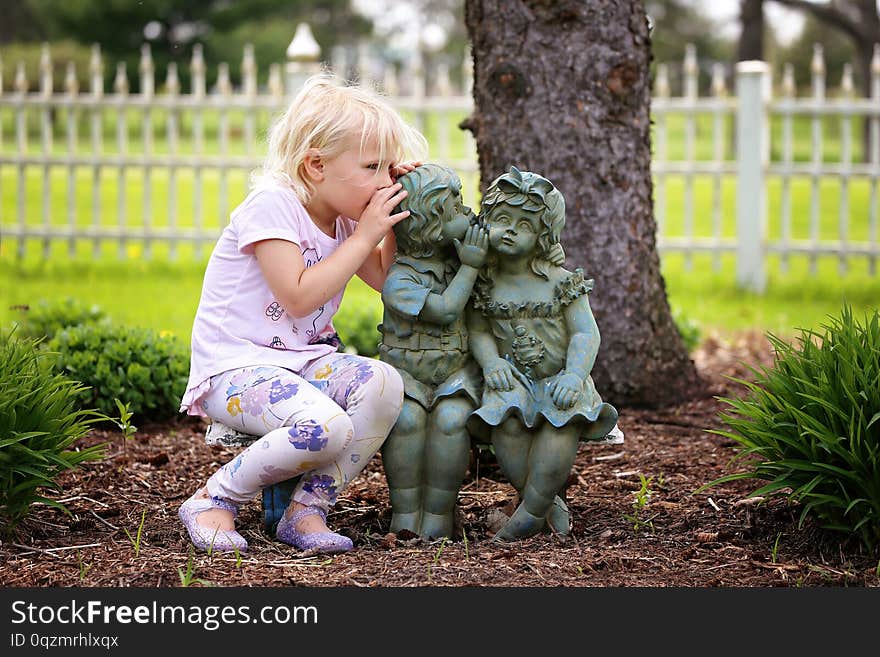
(406, 291)
(573, 287)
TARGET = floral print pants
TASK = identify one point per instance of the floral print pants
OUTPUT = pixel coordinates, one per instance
(324, 423)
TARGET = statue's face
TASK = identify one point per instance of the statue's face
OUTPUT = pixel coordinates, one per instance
(456, 218)
(511, 232)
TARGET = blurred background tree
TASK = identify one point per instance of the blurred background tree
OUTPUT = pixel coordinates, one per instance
(172, 27)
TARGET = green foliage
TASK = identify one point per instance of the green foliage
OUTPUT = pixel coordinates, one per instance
(61, 52)
(642, 497)
(39, 425)
(147, 370)
(809, 425)
(356, 324)
(687, 328)
(46, 318)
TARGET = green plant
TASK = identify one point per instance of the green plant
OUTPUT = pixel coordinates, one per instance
(149, 371)
(84, 568)
(775, 550)
(437, 556)
(39, 426)
(356, 324)
(687, 328)
(189, 578)
(136, 540)
(46, 318)
(642, 497)
(809, 425)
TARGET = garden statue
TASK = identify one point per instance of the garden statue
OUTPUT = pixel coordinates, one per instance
(535, 338)
(440, 249)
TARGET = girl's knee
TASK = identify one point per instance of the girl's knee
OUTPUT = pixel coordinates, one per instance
(382, 389)
(327, 434)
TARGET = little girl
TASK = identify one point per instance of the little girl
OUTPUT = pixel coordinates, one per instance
(533, 334)
(264, 356)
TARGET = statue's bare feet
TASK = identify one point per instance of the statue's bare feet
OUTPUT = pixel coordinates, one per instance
(406, 521)
(436, 525)
(522, 524)
(558, 517)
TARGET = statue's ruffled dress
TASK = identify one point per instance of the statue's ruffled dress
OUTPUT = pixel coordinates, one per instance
(533, 337)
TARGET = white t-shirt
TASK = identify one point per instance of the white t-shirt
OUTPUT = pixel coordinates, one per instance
(239, 323)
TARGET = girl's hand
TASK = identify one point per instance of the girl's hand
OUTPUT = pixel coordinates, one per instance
(566, 389)
(377, 219)
(556, 256)
(499, 375)
(398, 170)
(475, 247)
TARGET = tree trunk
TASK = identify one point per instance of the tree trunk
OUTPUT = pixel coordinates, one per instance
(751, 37)
(562, 89)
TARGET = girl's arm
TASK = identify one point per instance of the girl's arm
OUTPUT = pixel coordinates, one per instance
(374, 271)
(581, 356)
(497, 372)
(301, 290)
(584, 342)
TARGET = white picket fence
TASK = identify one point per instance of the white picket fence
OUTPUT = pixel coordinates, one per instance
(189, 155)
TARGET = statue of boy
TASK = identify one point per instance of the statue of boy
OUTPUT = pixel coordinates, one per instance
(440, 249)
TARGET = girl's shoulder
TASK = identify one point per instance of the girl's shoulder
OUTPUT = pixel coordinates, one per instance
(569, 285)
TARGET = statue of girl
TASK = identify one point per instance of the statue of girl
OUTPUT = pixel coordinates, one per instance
(535, 338)
(440, 249)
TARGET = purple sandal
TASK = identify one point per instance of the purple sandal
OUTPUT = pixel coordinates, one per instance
(207, 538)
(325, 542)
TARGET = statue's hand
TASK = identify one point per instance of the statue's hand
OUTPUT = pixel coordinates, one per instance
(473, 250)
(556, 255)
(499, 375)
(566, 389)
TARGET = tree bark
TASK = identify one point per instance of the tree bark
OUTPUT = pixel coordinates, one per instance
(751, 37)
(562, 89)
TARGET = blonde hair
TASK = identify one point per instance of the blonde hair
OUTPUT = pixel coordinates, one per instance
(325, 115)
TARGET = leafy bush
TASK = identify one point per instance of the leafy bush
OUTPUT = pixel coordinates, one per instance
(46, 318)
(39, 423)
(810, 425)
(141, 367)
(687, 328)
(356, 325)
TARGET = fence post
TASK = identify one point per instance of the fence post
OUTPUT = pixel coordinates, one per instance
(303, 55)
(752, 154)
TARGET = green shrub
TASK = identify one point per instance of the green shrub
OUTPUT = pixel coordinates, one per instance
(687, 328)
(810, 425)
(139, 366)
(45, 318)
(39, 424)
(356, 325)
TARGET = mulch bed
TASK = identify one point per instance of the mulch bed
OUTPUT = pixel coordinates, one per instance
(717, 538)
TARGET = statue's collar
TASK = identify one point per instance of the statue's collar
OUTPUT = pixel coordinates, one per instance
(427, 265)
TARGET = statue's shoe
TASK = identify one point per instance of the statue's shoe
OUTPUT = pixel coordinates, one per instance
(324, 542)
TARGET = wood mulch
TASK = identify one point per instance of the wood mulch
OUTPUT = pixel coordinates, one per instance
(717, 538)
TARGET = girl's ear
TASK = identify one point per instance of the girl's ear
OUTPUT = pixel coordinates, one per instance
(313, 165)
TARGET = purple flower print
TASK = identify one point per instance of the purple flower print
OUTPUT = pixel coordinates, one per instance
(307, 434)
(255, 398)
(355, 458)
(281, 391)
(234, 466)
(321, 486)
(351, 373)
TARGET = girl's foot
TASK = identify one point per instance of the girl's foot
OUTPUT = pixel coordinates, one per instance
(305, 527)
(522, 524)
(210, 523)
